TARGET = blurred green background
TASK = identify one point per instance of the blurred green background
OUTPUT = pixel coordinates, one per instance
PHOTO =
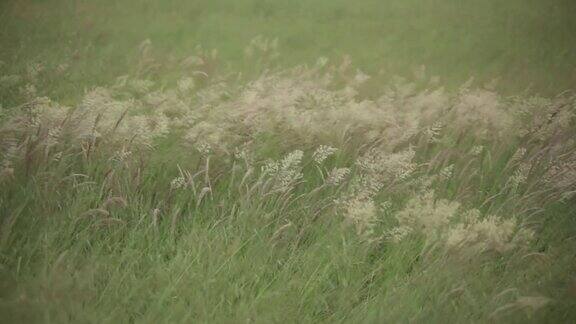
(526, 44)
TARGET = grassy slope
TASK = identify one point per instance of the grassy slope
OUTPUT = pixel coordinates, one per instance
(216, 263)
(524, 43)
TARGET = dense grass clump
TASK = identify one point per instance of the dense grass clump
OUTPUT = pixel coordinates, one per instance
(244, 186)
(298, 195)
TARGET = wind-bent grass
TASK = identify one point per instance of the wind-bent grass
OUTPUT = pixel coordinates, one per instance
(290, 197)
(179, 190)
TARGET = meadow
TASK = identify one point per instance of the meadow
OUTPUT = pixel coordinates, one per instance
(298, 161)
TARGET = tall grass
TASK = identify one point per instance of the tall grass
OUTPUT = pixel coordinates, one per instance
(311, 194)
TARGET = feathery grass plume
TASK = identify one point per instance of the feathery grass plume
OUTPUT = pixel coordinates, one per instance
(387, 167)
(561, 177)
(178, 183)
(376, 169)
(433, 132)
(336, 176)
(447, 172)
(303, 103)
(472, 235)
(398, 233)
(121, 155)
(53, 136)
(185, 85)
(386, 206)
(289, 171)
(477, 150)
(518, 155)
(286, 172)
(520, 175)
(270, 167)
(477, 235)
(426, 214)
(204, 148)
(482, 112)
(322, 153)
(540, 119)
(362, 214)
(99, 114)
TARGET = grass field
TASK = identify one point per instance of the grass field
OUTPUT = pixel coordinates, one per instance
(390, 161)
